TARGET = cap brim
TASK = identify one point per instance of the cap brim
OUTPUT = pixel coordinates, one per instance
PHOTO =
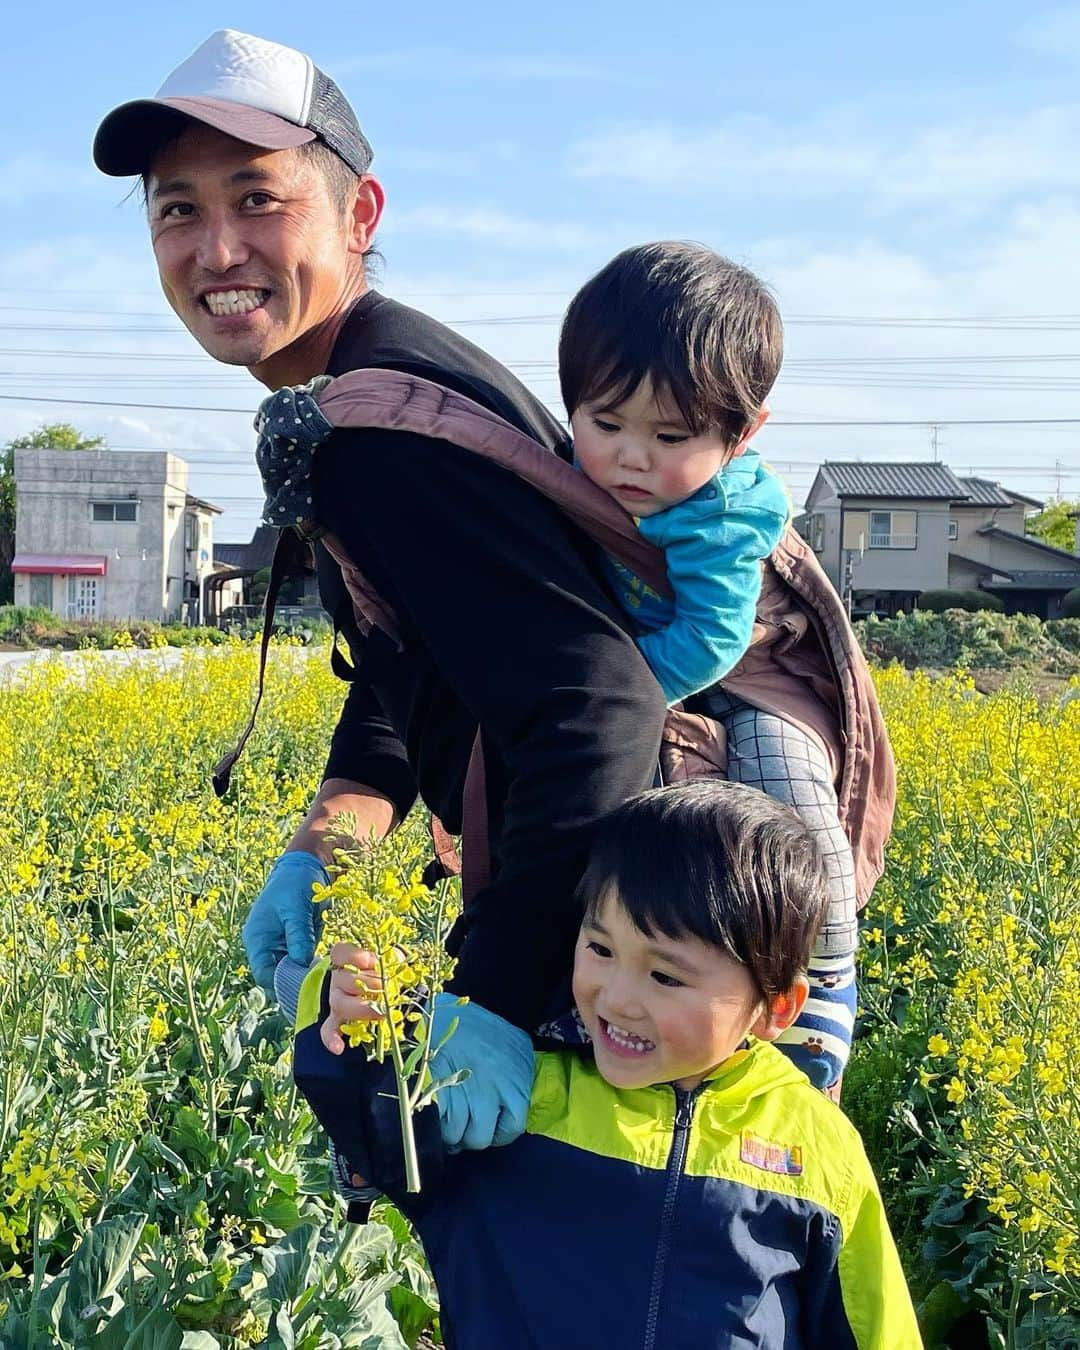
(131, 135)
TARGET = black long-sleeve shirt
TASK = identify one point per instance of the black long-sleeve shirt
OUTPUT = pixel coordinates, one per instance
(506, 625)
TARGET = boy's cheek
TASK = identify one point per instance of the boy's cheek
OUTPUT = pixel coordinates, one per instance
(582, 990)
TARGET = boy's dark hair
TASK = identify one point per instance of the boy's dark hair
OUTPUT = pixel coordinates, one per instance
(718, 861)
(704, 330)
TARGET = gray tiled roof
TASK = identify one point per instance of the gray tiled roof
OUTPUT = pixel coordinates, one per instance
(985, 492)
(1035, 581)
(232, 555)
(925, 481)
(253, 556)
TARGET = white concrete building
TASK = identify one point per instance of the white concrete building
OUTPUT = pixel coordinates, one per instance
(110, 534)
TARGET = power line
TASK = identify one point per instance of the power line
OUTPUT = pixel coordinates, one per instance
(824, 422)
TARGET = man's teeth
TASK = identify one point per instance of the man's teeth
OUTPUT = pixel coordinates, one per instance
(628, 1040)
(234, 302)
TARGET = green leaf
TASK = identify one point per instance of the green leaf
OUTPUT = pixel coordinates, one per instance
(190, 1138)
(100, 1262)
(171, 1157)
(158, 1330)
(284, 1328)
(410, 1312)
(199, 1340)
(290, 1265)
(284, 1180)
(281, 1211)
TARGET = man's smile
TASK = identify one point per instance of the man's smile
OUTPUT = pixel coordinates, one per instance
(221, 302)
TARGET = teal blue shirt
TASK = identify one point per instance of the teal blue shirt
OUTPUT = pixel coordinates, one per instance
(714, 543)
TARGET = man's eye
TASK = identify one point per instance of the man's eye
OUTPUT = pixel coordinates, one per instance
(258, 199)
(175, 210)
(598, 949)
(668, 981)
(601, 425)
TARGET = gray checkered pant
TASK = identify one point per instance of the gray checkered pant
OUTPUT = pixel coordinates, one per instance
(768, 753)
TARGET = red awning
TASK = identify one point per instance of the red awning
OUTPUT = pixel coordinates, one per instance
(68, 564)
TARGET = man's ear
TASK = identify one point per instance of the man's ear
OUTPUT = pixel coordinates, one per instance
(367, 208)
(781, 1010)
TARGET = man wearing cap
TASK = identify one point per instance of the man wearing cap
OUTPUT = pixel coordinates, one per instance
(261, 211)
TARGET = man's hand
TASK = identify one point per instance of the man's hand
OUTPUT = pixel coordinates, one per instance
(490, 1105)
(284, 921)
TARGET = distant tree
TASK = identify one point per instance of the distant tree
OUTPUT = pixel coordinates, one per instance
(51, 436)
(1054, 525)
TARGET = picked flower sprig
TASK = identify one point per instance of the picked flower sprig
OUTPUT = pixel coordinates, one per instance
(378, 902)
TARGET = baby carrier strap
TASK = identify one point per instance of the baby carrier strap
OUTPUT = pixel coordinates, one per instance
(393, 401)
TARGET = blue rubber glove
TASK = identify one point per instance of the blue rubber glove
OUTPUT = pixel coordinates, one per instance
(284, 920)
(490, 1106)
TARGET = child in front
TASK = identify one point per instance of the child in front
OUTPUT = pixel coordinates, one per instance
(680, 1185)
(665, 360)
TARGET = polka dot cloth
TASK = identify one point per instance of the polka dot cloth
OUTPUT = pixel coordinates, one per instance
(290, 426)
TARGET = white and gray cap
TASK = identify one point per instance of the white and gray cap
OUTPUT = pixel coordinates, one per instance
(256, 91)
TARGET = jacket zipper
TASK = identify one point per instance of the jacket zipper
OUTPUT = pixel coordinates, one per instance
(684, 1115)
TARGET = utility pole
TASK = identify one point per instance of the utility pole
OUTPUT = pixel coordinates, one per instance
(934, 429)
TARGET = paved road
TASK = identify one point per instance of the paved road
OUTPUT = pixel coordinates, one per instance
(13, 662)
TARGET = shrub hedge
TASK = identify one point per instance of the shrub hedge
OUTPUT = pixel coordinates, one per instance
(937, 602)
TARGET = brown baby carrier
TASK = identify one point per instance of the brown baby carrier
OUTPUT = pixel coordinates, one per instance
(803, 662)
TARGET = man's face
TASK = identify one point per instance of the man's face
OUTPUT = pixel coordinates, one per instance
(660, 1009)
(252, 252)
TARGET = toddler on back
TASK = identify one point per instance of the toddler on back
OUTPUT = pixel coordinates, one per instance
(665, 360)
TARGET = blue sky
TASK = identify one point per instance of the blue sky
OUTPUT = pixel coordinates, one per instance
(907, 180)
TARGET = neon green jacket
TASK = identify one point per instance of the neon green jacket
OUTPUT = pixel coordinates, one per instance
(741, 1215)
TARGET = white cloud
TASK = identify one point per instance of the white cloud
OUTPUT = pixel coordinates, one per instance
(958, 168)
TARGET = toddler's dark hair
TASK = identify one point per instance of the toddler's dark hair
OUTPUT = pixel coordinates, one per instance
(703, 329)
(718, 861)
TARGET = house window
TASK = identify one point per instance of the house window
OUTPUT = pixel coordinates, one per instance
(856, 525)
(893, 529)
(954, 529)
(191, 532)
(816, 532)
(125, 510)
(41, 590)
(82, 601)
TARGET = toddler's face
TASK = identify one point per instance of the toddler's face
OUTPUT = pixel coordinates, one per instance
(642, 453)
(660, 1009)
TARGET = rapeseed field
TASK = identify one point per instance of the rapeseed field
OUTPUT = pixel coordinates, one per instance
(160, 1185)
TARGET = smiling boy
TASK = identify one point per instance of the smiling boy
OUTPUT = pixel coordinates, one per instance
(679, 1184)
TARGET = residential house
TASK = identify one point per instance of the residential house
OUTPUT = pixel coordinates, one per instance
(885, 533)
(110, 534)
(235, 583)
